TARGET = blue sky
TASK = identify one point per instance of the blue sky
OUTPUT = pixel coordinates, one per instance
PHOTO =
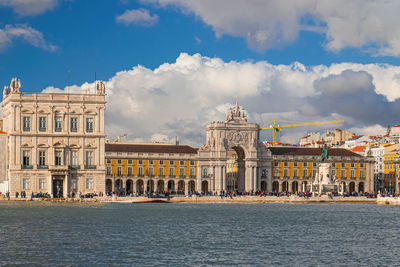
(44, 42)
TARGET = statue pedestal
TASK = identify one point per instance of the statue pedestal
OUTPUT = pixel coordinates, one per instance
(324, 182)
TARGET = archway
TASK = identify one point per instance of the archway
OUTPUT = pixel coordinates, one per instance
(275, 186)
(139, 187)
(285, 186)
(150, 186)
(171, 186)
(118, 185)
(192, 186)
(181, 187)
(160, 186)
(352, 187)
(129, 186)
(235, 170)
(361, 187)
(295, 187)
(108, 186)
(263, 186)
(204, 187)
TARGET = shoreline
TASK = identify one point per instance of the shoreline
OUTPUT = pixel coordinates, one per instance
(219, 200)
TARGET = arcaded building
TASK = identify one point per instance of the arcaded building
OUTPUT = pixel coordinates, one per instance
(150, 168)
(55, 141)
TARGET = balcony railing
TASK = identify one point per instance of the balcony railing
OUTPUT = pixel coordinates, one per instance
(90, 167)
(42, 166)
(74, 167)
(26, 167)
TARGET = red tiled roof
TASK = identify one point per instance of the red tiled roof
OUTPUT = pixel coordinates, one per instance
(358, 149)
(1, 132)
(150, 148)
(310, 151)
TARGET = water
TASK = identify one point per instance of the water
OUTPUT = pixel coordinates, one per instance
(82, 234)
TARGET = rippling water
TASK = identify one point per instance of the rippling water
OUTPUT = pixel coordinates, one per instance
(82, 234)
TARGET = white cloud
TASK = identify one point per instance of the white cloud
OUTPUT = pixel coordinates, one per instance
(25, 33)
(368, 24)
(138, 17)
(180, 98)
(29, 7)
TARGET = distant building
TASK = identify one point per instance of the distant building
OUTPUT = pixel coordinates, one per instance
(55, 141)
(310, 139)
(337, 136)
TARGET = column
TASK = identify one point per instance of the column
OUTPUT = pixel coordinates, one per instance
(256, 185)
(223, 168)
(198, 178)
(186, 187)
(66, 186)
(280, 186)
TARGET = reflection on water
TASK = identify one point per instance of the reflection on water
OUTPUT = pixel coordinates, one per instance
(44, 233)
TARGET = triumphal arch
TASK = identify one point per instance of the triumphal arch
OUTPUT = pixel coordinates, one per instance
(250, 163)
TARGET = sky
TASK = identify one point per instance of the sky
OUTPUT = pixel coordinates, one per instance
(172, 66)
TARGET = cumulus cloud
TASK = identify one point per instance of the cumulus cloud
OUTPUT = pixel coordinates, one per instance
(138, 17)
(25, 33)
(29, 7)
(180, 98)
(366, 24)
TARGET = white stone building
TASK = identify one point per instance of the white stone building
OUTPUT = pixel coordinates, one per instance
(55, 141)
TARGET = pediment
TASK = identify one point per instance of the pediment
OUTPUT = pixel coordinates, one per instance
(59, 144)
(27, 111)
(26, 145)
(42, 111)
(90, 146)
(90, 112)
(74, 146)
(43, 146)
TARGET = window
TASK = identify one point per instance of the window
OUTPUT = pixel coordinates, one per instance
(191, 173)
(42, 184)
(130, 171)
(204, 172)
(285, 173)
(151, 162)
(181, 172)
(182, 162)
(314, 164)
(305, 173)
(276, 163)
(74, 125)
(314, 172)
(108, 161)
(352, 165)
(129, 161)
(343, 165)
(161, 162)
(343, 174)
(151, 172)
(295, 173)
(119, 171)
(25, 158)
(192, 162)
(333, 173)
(171, 162)
(89, 183)
(161, 172)
(74, 184)
(26, 184)
(108, 170)
(74, 158)
(89, 125)
(89, 158)
(140, 161)
(286, 164)
(333, 164)
(58, 124)
(42, 124)
(140, 171)
(171, 172)
(362, 174)
(26, 124)
(42, 158)
(362, 165)
(352, 174)
(57, 157)
(295, 164)
(119, 161)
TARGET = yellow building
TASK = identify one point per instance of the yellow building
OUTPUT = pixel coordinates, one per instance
(156, 168)
(294, 169)
(391, 167)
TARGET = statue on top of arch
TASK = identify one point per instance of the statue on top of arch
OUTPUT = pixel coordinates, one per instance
(100, 88)
(15, 87)
(236, 114)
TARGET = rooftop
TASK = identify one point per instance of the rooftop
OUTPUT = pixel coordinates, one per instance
(150, 148)
(310, 151)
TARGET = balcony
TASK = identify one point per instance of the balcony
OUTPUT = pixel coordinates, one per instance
(42, 167)
(74, 167)
(25, 167)
(90, 167)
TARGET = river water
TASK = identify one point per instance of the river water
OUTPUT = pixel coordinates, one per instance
(84, 234)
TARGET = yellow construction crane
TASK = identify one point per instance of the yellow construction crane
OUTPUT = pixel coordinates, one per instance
(276, 128)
